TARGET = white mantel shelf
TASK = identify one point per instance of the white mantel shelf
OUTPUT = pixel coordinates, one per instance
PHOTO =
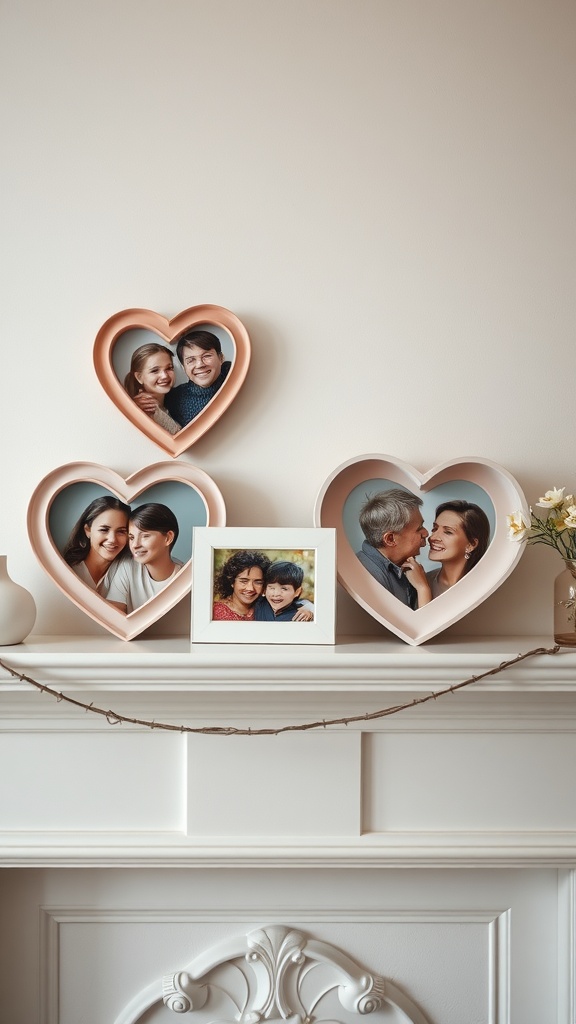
(174, 664)
(480, 778)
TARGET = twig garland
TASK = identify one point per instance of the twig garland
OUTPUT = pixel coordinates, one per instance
(113, 718)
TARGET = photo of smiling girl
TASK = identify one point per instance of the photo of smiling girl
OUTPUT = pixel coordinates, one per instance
(152, 533)
(148, 381)
(98, 543)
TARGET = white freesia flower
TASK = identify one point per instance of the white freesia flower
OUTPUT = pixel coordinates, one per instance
(518, 526)
(570, 518)
(555, 527)
(552, 499)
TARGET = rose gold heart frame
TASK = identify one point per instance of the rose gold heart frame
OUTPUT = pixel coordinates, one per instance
(496, 565)
(169, 331)
(126, 627)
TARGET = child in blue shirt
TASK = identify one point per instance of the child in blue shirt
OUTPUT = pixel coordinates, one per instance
(282, 588)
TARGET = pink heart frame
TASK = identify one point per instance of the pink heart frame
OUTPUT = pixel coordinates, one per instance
(169, 331)
(126, 627)
(415, 627)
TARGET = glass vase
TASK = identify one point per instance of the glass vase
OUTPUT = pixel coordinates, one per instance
(565, 605)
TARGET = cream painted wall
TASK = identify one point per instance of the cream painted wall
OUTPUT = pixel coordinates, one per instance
(383, 192)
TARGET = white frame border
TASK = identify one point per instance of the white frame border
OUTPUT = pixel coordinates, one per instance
(320, 631)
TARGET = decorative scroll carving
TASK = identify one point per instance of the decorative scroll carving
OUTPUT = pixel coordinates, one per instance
(272, 975)
(181, 994)
(277, 950)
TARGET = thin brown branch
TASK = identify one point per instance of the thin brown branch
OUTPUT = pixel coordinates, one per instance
(114, 718)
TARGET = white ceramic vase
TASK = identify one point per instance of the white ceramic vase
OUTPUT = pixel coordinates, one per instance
(17, 609)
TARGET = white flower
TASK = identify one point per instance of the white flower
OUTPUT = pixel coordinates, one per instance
(552, 499)
(557, 523)
(570, 518)
(518, 526)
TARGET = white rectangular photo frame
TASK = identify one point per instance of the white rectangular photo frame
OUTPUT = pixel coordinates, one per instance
(314, 547)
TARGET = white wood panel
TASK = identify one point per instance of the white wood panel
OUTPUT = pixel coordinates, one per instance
(118, 780)
(469, 781)
(104, 959)
(288, 785)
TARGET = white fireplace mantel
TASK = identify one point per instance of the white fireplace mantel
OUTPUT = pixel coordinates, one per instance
(173, 664)
(479, 777)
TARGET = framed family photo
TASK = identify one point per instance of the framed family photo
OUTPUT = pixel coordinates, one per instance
(173, 379)
(418, 551)
(263, 585)
(121, 549)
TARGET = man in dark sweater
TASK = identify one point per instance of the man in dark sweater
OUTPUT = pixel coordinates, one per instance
(201, 356)
(394, 529)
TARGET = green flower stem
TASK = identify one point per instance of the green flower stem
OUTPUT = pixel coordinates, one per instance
(546, 532)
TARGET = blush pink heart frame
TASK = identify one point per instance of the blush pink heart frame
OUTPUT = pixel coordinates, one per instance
(169, 331)
(126, 627)
(496, 565)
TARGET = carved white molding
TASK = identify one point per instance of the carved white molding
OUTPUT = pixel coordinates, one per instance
(272, 974)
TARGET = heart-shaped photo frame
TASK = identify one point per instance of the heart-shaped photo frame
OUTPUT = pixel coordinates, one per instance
(475, 481)
(75, 504)
(183, 399)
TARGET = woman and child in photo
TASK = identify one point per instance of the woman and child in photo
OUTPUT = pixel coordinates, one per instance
(150, 380)
(124, 555)
(249, 587)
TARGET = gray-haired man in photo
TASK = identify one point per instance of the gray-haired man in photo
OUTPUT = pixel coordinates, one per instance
(392, 524)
